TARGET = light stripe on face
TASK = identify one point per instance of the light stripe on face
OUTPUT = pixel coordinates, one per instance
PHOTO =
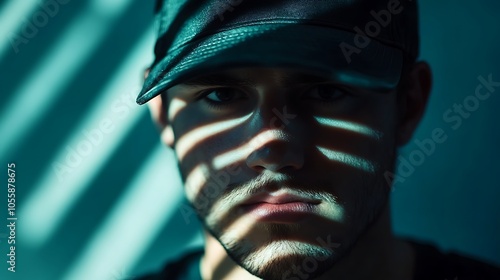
(348, 159)
(195, 180)
(175, 106)
(189, 140)
(350, 126)
(242, 152)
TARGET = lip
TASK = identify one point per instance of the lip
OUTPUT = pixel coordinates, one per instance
(280, 198)
(283, 208)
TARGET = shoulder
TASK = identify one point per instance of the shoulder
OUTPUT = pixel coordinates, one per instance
(185, 267)
(431, 263)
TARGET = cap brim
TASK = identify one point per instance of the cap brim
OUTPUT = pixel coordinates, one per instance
(315, 48)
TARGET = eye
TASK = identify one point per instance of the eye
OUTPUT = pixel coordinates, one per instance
(220, 97)
(325, 93)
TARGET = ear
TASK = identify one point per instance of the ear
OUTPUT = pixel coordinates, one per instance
(159, 116)
(413, 100)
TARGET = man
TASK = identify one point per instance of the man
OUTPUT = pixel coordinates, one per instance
(285, 118)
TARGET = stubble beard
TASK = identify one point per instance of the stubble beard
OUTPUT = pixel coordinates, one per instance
(280, 256)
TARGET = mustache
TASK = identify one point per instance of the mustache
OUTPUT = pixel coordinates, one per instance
(227, 207)
(266, 182)
(233, 195)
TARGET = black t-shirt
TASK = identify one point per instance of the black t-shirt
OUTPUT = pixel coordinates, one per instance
(430, 264)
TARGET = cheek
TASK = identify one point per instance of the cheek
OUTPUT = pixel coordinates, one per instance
(193, 150)
(195, 171)
(359, 137)
(350, 151)
(196, 147)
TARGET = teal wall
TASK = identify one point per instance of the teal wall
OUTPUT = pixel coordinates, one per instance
(98, 197)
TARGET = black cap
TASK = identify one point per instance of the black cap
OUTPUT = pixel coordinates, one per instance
(358, 42)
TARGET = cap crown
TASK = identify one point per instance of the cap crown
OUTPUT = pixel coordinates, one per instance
(182, 21)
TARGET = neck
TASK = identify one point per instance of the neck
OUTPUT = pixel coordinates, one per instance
(376, 255)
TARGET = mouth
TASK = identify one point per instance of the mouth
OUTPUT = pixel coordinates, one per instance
(280, 208)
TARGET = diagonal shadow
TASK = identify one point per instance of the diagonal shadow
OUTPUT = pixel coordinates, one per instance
(17, 66)
(89, 212)
(48, 136)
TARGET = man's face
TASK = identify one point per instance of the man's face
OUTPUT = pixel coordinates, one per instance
(281, 165)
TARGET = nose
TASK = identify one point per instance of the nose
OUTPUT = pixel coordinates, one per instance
(277, 152)
(277, 132)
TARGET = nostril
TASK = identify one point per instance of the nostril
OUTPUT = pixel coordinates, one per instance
(258, 168)
(275, 156)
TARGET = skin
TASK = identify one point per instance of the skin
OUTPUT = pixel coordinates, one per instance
(333, 144)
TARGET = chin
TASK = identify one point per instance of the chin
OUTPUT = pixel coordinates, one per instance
(283, 259)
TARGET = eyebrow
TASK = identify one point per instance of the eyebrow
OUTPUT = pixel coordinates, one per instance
(227, 80)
